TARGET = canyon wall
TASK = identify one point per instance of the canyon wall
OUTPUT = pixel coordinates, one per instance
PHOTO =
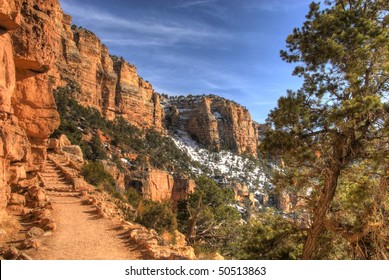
(27, 109)
(135, 98)
(107, 83)
(159, 185)
(215, 122)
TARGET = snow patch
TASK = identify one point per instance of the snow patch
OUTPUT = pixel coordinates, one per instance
(223, 166)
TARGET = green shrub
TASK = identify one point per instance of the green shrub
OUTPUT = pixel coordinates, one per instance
(95, 174)
(133, 197)
(157, 215)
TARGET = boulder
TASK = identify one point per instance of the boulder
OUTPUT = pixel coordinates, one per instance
(25, 183)
(30, 243)
(183, 253)
(11, 253)
(17, 199)
(35, 232)
(16, 172)
(37, 193)
(50, 227)
(53, 144)
(18, 209)
(74, 152)
(64, 140)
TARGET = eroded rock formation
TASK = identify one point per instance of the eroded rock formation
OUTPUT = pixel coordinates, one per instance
(159, 185)
(135, 98)
(107, 83)
(215, 122)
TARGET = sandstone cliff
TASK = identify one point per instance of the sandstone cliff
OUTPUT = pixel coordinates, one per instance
(135, 98)
(214, 122)
(159, 185)
(27, 110)
(99, 80)
(45, 42)
(76, 58)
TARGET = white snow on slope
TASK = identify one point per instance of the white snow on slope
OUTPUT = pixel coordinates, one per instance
(223, 166)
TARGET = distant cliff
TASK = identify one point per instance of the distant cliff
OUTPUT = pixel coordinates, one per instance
(214, 122)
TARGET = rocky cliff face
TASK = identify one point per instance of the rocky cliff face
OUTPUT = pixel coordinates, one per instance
(27, 110)
(159, 185)
(47, 43)
(87, 64)
(135, 98)
(214, 122)
(107, 83)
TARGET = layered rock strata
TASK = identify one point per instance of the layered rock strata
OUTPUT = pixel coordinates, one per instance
(96, 79)
(215, 122)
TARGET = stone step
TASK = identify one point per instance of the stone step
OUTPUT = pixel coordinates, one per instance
(52, 171)
(59, 190)
(48, 184)
(56, 182)
(53, 174)
(64, 194)
(54, 177)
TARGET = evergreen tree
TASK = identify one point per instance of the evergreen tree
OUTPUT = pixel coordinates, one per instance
(337, 121)
(207, 214)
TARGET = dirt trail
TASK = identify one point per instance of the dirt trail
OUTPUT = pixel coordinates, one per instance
(80, 233)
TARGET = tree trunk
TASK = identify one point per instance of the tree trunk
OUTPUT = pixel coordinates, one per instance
(190, 237)
(320, 212)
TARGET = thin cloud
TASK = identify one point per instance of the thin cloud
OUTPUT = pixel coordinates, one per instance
(133, 42)
(207, 7)
(277, 5)
(196, 3)
(166, 32)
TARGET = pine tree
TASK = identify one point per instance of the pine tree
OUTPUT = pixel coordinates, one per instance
(337, 121)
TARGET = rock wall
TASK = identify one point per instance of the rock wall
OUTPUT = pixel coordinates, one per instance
(135, 98)
(215, 122)
(47, 43)
(159, 185)
(99, 80)
(87, 67)
(27, 109)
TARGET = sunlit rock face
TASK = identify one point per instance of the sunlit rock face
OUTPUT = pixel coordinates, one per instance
(216, 123)
(27, 109)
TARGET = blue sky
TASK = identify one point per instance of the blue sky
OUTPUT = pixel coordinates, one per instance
(224, 47)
